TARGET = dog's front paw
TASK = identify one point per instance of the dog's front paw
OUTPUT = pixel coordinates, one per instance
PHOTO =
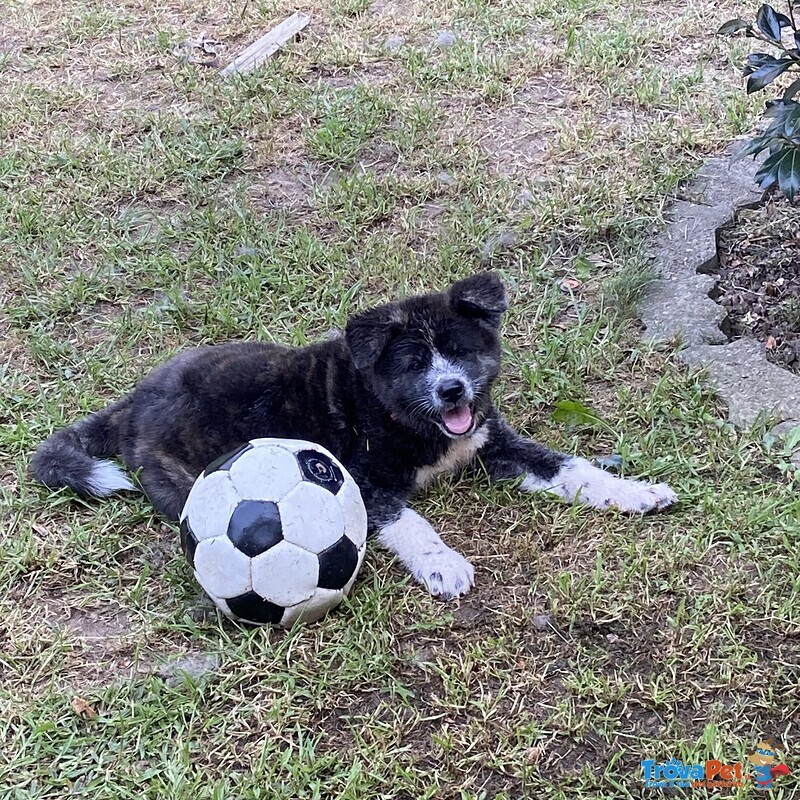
(445, 573)
(581, 481)
(629, 496)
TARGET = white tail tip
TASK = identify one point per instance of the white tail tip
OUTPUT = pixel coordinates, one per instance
(106, 478)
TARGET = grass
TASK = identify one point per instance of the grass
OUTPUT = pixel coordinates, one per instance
(146, 206)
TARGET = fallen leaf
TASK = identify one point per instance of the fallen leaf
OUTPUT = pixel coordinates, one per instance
(82, 708)
(573, 414)
(770, 343)
(570, 284)
(533, 754)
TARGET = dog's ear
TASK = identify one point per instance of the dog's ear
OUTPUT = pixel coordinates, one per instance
(480, 297)
(368, 334)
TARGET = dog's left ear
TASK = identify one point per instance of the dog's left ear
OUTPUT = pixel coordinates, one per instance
(367, 334)
(480, 297)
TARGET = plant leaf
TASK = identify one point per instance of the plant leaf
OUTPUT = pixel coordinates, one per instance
(791, 120)
(770, 23)
(789, 172)
(765, 75)
(757, 60)
(793, 89)
(754, 146)
(792, 440)
(767, 174)
(571, 414)
(733, 26)
(778, 109)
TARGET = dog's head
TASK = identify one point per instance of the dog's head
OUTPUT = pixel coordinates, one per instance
(431, 360)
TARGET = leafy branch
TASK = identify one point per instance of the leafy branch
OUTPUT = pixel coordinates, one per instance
(781, 137)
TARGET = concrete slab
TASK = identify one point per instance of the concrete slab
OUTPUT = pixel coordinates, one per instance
(678, 309)
(746, 381)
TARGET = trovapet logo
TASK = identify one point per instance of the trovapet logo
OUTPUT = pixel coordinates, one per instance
(762, 768)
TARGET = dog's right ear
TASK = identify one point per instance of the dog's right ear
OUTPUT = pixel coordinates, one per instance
(482, 297)
(368, 334)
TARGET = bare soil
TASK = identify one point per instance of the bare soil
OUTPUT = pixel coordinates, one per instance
(759, 281)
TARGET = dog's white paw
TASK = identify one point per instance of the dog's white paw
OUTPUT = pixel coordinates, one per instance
(632, 497)
(581, 481)
(445, 573)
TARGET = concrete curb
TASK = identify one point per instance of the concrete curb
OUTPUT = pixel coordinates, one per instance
(678, 307)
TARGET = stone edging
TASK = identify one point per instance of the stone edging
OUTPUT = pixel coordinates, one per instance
(678, 307)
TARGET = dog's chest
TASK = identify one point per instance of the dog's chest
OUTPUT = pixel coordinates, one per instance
(458, 455)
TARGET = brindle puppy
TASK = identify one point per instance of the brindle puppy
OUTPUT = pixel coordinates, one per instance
(402, 396)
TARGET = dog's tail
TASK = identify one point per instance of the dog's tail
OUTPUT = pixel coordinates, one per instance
(74, 456)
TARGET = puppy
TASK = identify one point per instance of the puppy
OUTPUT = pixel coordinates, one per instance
(404, 395)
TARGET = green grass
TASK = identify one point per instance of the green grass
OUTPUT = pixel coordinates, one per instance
(139, 215)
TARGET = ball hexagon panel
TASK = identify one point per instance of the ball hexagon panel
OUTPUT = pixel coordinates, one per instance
(225, 461)
(210, 505)
(286, 574)
(223, 607)
(322, 601)
(355, 514)
(221, 569)
(320, 469)
(348, 587)
(292, 614)
(312, 517)
(188, 541)
(337, 564)
(265, 473)
(293, 445)
(255, 526)
(251, 607)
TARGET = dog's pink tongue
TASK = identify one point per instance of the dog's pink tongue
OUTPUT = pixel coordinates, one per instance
(458, 420)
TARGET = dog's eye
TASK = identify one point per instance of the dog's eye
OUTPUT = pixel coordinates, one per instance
(417, 364)
(462, 352)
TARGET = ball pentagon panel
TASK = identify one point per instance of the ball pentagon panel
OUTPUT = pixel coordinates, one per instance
(255, 526)
(188, 541)
(225, 461)
(337, 564)
(320, 469)
(251, 607)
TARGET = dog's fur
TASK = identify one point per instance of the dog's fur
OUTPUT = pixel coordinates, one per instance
(402, 396)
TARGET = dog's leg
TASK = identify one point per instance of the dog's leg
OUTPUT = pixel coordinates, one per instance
(166, 482)
(506, 455)
(444, 572)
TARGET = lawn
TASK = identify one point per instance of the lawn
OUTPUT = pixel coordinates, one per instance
(146, 205)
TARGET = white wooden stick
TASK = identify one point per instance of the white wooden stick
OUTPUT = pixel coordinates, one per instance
(267, 45)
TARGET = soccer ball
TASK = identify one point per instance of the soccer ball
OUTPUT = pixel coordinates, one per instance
(275, 532)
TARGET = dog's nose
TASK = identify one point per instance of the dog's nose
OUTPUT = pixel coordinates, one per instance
(450, 390)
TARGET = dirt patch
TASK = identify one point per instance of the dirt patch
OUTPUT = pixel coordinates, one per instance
(516, 136)
(96, 624)
(759, 283)
(284, 187)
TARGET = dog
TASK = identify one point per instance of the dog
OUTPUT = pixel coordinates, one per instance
(402, 396)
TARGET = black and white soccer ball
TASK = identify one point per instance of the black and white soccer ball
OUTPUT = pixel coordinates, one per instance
(275, 532)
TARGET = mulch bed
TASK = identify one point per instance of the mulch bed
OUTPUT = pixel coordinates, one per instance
(759, 281)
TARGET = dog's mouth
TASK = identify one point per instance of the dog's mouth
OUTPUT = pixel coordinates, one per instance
(458, 420)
